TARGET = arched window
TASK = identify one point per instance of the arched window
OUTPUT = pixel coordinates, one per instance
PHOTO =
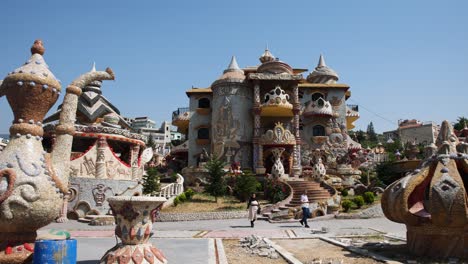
(204, 103)
(204, 133)
(318, 130)
(316, 96)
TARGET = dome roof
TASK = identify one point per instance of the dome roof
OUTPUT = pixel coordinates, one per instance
(322, 73)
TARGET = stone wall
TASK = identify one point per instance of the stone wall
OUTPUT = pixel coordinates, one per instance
(88, 195)
(175, 217)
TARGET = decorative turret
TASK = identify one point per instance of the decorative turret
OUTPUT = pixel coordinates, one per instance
(231, 122)
(232, 73)
(322, 73)
(432, 201)
(272, 65)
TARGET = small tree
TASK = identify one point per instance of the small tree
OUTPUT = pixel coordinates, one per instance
(150, 143)
(461, 123)
(216, 183)
(371, 132)
(151, 184)
(246, 184)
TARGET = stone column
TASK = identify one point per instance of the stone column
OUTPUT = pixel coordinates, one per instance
(134, 161)
(297, 168)
(258, 149)
(101, 159)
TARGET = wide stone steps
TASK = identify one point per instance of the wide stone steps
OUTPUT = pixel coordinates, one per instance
(315, 192)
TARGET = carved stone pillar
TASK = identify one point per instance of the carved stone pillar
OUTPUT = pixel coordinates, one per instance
(297, 168)
(134, 161)
(260, 156)
(101, 159)
(257, 94)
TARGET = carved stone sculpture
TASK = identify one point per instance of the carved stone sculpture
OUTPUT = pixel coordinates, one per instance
(432, 201)
(319, 170)
(33, 184)
(278, 168)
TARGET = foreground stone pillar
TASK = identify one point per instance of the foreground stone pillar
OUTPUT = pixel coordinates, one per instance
(134, 217)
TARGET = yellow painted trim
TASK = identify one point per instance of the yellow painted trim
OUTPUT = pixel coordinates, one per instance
(276, 110)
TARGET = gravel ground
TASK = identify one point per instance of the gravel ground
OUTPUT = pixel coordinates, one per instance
(238, 255)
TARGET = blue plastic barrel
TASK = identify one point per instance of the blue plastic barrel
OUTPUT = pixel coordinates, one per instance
(55, 252)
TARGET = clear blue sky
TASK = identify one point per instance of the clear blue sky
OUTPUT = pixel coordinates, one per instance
(402, 59)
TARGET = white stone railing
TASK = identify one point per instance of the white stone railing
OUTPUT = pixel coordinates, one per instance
(173, 189)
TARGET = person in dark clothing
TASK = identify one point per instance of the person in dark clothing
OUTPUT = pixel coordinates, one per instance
(253, 206)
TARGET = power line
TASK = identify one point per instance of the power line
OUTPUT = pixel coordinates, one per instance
(374, 113)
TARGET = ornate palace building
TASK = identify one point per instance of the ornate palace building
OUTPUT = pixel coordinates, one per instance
(259, 115)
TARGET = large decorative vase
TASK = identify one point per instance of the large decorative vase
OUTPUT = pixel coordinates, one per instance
(432, 201)
(278, 168)
(32, 185)
(134, 217)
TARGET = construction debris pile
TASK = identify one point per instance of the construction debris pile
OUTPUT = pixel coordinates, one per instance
(256, 245)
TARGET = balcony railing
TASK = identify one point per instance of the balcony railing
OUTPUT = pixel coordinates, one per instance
(353, 107)
(179, 111)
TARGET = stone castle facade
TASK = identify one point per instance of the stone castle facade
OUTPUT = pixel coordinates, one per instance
(255, 116)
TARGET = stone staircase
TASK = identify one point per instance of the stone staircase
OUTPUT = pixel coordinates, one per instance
(315, 192)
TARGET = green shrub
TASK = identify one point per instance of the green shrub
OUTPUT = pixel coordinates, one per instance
(275, 190)
(344, 193)
(176, 201)
(189, 193)
(359, 201)
(369, 197)
(245, 185)
(346, 204)
(182, 197)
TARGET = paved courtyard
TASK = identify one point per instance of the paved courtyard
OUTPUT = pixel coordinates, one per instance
(194, 241)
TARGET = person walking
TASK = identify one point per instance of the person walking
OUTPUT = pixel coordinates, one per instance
(305, 209)
(253, 207)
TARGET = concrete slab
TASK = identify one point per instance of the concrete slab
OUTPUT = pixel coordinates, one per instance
(176, 250)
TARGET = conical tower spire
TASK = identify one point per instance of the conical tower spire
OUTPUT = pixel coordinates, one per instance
(233, 66)
(321, 62)
(322, 73)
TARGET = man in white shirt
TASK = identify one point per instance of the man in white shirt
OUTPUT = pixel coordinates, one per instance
(305, 209)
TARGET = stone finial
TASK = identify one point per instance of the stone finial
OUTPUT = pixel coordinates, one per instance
(267, 56)
(37, 47)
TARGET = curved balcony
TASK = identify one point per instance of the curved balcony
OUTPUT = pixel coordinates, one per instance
(181, 118)
(352, 114)
(276, 103)
(319, 107)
